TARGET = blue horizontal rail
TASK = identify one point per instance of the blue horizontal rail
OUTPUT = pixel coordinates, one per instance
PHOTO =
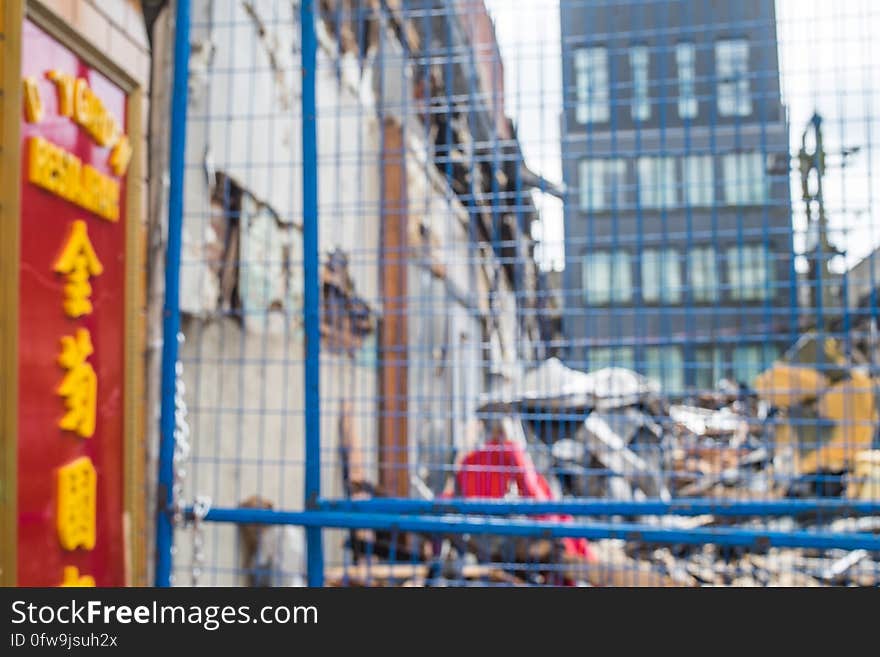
(604, 507)
(733, 536)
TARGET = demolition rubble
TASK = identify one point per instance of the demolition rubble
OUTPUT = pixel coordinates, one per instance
(798, 431)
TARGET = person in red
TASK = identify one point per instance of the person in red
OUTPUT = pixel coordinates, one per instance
(491, 471)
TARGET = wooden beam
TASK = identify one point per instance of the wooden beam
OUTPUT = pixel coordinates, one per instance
(393, 333)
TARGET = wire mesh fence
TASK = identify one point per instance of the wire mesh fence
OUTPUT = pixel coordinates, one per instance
(593, 302)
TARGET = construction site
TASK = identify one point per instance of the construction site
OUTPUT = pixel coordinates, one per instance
(419, 293)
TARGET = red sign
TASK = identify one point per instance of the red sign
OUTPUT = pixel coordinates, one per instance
(71, 320)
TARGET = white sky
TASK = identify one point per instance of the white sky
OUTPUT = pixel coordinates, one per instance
(828, 62)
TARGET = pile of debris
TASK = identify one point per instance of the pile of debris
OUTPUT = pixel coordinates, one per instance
(801, 431)
(712, 565)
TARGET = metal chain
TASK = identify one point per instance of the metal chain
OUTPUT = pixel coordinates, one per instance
(200, 510)
(182, 449)
(182, 446)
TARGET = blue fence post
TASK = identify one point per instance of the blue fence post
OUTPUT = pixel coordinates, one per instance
(314, 542)
(171, 309)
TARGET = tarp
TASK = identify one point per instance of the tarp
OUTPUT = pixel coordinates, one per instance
(553, 385)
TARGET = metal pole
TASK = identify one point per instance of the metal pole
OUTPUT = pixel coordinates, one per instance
(314, 542)
(171, 310)
(753, 537)
(606, 507)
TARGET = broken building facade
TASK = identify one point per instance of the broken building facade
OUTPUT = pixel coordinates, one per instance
(429, 285)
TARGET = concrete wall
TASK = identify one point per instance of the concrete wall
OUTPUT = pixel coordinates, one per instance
(241, 276)
(243, 356)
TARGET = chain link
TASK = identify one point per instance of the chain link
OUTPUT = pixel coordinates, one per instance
(182, 446)
(182, 449)
(201, 506)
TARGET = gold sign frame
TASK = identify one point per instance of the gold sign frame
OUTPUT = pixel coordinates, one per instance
(12, 15)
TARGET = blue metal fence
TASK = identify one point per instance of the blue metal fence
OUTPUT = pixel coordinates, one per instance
(171, 315)
(552, 292)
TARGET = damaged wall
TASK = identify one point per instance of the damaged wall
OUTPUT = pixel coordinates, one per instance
(402, 365)
(462, 321)
(241, 274)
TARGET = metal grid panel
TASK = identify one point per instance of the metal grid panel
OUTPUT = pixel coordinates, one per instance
(593, 282)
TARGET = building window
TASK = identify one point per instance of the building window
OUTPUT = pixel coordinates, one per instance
(591, 84)
(602, 184)
(600, 357)
(732, 69)
(661, 276)
(750, 360)
(607, 277)
(708, 367)
(685, 59)
(641, 103)
(745, 178)
(703, 272)
(666, 365)
(698, 180)
(749, 272)
(657, 182)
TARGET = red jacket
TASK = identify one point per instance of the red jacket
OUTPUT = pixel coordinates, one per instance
(489, 471)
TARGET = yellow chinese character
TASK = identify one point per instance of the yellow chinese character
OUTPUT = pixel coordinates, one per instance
(73, 578)
(79, 386)
(120, 156)
(78, 261)
(77, 488)
(64, 83)
(33, 105)
(82, 102)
